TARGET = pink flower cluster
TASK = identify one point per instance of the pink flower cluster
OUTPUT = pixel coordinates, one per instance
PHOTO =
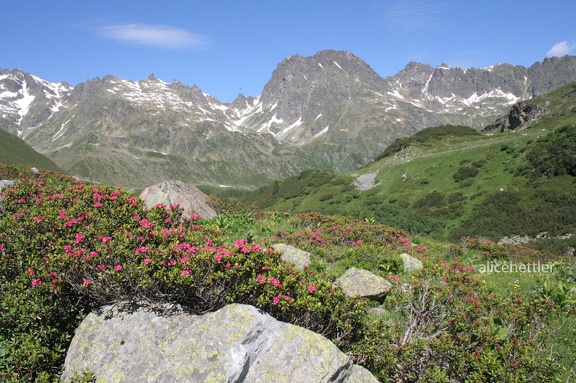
(279, 297)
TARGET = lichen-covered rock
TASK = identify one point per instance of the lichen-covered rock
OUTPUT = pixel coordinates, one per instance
(6, 183)
(235, 344)
(411, 264)
(299, 258)
(362, 283)
(188, 196)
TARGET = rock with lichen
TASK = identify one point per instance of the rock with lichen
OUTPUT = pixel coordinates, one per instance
(237, 343)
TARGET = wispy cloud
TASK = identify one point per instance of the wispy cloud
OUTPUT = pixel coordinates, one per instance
(410, 15)
(562, 48)
(155, 35)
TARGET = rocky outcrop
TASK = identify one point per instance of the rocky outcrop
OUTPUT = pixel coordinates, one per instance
(299, 258)
(518, 115)
(235, 344)
(411, 264)
(188, 196)
(362, 283)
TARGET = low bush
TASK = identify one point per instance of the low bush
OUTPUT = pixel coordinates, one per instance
(68, 247)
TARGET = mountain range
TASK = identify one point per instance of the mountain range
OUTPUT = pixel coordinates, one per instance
(327, 111)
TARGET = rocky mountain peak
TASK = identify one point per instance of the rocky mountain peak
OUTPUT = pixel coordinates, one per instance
(329, 110)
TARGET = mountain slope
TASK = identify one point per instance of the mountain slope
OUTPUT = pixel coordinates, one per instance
(451, 182)
(327, 111)
(133, 134)
(14, 151)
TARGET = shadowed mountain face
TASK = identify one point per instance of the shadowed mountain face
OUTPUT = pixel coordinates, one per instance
(330, 110)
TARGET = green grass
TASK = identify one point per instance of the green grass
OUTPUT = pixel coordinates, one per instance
(14, 151)
(450, 182)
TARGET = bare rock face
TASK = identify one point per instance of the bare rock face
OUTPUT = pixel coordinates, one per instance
(188, 196)
(237, 343)
(362, 283)
(519, 114)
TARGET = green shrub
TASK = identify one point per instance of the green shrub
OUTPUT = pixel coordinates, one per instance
(554, 154)
(465, 172)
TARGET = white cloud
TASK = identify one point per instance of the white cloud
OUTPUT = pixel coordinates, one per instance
(562, 49)
(156, 35)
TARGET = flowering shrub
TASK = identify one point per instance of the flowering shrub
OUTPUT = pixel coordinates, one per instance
(458, 331)
(69, 247)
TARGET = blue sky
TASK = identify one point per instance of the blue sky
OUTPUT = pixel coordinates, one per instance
(226, 47)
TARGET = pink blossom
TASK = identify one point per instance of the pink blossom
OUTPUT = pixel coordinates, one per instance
(240, 243)
(36, 282)
(93, 254)
(97, 205)
(30, 271)
(39, 219)
(147, 261)
(142, 249)
(276, 299)
(261, 279)
(79, 238)
(1, 246)
(228, 266)
(86, 282)
(245, 250)
(118, 267)
(196, 227)
(312, 288)
(38, 201)
(16, 215)
(105, 239)
(21, 200)
(275, 282)
(98, 197)
(184, 273)
(101, 267)
(146, 223)
(171, 262)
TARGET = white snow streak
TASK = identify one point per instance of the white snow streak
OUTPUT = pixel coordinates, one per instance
(323, 131)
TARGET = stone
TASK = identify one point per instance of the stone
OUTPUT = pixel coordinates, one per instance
(411, 264)
(237, 343)
(6, 183)
(299, 258)
(188, 196)
(362, 283)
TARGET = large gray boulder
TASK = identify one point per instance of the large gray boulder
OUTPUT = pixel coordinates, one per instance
(362, 283)
(237, 343)
(188, 196)
(299, 258)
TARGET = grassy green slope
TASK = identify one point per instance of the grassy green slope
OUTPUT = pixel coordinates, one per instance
(15, 151)
(450, 182)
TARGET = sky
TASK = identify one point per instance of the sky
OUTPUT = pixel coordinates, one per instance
(230, 46)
